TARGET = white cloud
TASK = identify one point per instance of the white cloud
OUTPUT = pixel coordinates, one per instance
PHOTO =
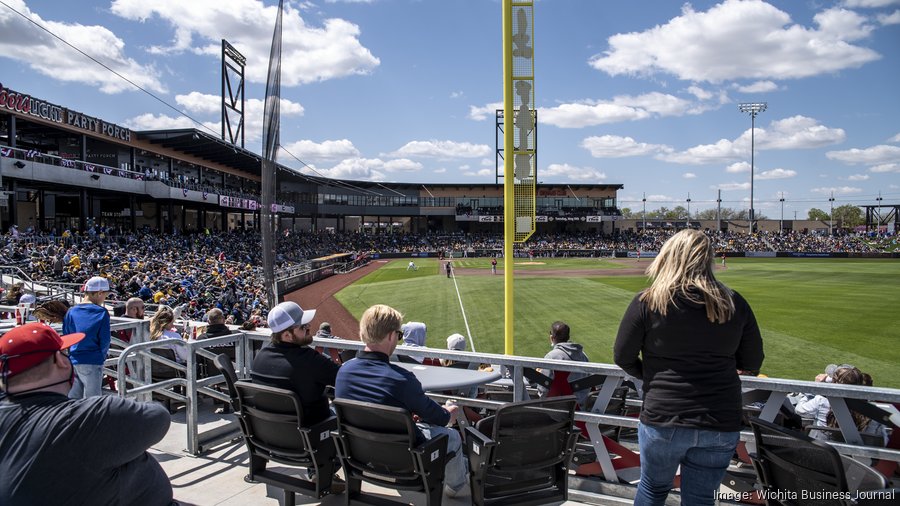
(757, 87)
(738, 167)
(309, 53)
(874, 155)
(842, 190)
(150, 121)
(570, 172)
(621, 108)
(858, 177)
(457, 94)
(796, 132)
(614, 146)
(740, 40)
(488, 111)
(731, 186)
(889, 19)
(689, 175)
(442, 170)
(477, 173)
(198, 104)
(895, 138)
(869, 4)
(442, 150)
(20, 40)
(776, 174)
(366, 169)
(885, 167)
(308, 150)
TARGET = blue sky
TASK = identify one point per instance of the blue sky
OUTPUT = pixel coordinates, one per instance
(639, 93)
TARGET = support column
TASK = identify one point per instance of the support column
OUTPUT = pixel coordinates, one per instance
(132, 203)
(159, 223)
(12, 130)
(171, 220)
(82, 222)
(83, 147)
(13, 207)
(39, 222)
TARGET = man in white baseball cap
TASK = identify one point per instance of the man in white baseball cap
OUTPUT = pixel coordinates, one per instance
(290, 363)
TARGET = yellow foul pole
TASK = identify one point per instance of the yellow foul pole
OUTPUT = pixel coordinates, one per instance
(509, 216)
(519, 144)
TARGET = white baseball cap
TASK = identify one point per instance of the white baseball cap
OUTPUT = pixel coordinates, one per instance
(288, 314)
(456, 342)
(96, 284)
(27, 299)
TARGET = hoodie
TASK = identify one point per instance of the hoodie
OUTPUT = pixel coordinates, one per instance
(93, 320)
(574, 352)
(414, 336)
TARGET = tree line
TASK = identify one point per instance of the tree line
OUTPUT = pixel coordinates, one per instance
(847, 215)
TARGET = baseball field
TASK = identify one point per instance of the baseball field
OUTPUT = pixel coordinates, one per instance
(812, 312)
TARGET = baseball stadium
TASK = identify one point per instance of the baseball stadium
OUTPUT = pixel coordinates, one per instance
(267, 334)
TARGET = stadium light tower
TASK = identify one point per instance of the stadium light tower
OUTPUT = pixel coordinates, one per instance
(689, 207)
(752, 108)
(781, 225)
(831, 215)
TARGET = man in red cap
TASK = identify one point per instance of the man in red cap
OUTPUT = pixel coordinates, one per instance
(56, 450)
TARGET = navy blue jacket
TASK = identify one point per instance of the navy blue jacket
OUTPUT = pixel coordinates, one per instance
(370, 377)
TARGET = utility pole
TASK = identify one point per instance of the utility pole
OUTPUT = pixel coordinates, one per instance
(753, 108)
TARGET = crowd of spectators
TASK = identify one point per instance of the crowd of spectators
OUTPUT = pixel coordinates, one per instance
(222, 269)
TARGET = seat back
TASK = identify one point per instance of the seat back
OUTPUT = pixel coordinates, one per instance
(530, 449)
(789, 460)
(273, 418)
(160, 371)
(376, 438)
(223, 364)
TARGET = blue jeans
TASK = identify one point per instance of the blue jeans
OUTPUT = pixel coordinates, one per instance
(703, 455)
(87, 381)
(456, 474)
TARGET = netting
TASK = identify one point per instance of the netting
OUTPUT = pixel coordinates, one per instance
(525, 119)
(270, 142)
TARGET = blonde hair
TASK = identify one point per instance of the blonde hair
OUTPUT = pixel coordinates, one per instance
(162, 321)
(378, 322)
(684, 266)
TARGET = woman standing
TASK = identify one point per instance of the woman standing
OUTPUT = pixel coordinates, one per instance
(688, 337)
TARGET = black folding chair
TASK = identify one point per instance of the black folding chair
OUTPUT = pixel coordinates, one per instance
(789, 463)
(521, 455)
(225, 367)
(377, 444)
(272, 421)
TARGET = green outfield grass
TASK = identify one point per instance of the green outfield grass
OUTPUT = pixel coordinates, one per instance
(812, 312)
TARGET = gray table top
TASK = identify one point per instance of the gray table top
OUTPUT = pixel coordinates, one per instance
(434, 378)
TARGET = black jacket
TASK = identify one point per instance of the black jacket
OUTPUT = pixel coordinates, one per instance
(300, 369)
(689, 364)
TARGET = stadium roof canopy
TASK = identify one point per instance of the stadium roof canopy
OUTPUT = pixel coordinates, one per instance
(204, 146)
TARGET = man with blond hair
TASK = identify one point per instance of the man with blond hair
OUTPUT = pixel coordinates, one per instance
(372, 378)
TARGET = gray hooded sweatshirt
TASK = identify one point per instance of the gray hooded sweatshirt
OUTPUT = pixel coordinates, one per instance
(569, 351)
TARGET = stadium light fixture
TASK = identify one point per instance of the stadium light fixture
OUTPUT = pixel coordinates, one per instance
(752, 108)
(689, 207)
(781, 224)
(831, 215)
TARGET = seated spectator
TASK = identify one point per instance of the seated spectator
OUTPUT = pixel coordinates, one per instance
(819, 408)
(414, 337)
(372, 378)
(455, 342)
(52, 311)
(325, 333)
(289, 363)
(42, 431)
(564, 350)
(162, 326)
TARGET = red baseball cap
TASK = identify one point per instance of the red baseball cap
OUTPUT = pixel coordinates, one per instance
(28, 345)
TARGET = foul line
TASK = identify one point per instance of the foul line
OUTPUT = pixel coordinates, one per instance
(462, 309)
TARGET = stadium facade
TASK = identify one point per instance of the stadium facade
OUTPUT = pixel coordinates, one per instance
(63, 169)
